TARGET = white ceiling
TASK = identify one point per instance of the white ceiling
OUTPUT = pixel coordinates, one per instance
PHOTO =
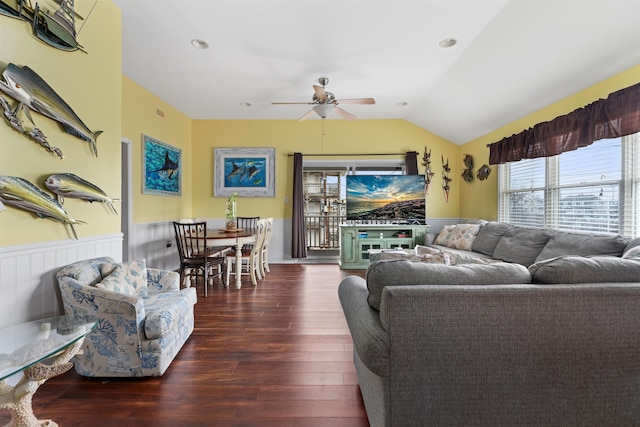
(513, 57)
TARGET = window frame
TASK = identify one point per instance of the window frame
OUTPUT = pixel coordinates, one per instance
(628, 192)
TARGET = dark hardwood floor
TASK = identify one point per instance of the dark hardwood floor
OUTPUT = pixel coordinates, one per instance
(279, 354)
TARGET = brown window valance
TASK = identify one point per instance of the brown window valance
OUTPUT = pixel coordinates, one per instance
(616, 116)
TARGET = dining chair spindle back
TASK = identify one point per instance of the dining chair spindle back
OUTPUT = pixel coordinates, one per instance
(196, 259)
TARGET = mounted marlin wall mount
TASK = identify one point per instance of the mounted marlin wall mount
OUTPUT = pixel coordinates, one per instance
(57, 29)
(32, 92)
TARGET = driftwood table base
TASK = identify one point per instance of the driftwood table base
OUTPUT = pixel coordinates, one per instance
(17, 399)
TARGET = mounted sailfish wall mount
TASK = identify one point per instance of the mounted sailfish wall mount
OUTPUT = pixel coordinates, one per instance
(57, 29)
(32, 93)
(70, 185)
(22, 194)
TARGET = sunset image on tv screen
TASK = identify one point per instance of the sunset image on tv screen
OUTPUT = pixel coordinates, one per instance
(385, 197)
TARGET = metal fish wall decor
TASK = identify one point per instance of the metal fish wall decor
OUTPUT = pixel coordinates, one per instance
(32, 93)
(70, 185)
(22, 194)
(57, 29)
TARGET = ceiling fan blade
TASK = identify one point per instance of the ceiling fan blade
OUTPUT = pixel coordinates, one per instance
(321, 94)
(361, 101)
(344, 114)
(291, 103)
(306, 116)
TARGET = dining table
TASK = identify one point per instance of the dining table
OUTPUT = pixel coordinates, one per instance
(220, 237)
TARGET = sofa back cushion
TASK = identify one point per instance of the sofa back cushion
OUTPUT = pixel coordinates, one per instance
(562, 243)
(402, 273)
(85, 272)
(632, 244)
(571, 269)
(522, 245)
(489, 236)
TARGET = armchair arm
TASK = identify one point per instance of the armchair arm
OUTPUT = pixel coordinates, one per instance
(114, 345)
(162, 280)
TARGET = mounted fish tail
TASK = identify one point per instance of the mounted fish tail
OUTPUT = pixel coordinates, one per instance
(22, 194)
(70, 185)
(30, 90)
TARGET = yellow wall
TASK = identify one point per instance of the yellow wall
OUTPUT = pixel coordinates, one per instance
(91, 84)
(479, 199)
(289, 136)
(139, 116)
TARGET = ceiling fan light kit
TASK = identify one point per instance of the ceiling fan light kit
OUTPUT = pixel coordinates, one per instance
(325, 102)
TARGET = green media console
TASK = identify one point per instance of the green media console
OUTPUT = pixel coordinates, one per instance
(357, 240)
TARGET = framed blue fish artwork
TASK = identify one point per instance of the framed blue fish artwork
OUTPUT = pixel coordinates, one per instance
(249, 172)
(161, 168)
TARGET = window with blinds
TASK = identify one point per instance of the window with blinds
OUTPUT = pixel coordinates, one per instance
(592, 189)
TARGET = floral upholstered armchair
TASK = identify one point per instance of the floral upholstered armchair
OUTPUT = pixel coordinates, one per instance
(144, 318)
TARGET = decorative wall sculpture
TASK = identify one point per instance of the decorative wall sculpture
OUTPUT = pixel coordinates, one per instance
(70, 185)
(22, 194)
(57, 29)
(467, 173)
(446, 180)
(428, 173)
(483, 172)
(32, 92)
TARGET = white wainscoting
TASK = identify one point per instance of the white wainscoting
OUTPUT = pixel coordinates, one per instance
(28, 288)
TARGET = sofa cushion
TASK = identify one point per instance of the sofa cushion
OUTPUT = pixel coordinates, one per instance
(632, 253)
(164, 311)
(402, 273)
(632, 244)
(489, 236)
(521, 245)
(562, 243)
(571, 269)
(459, 236)
(134, 273)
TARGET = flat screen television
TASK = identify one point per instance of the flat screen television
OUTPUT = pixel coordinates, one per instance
(398, 198)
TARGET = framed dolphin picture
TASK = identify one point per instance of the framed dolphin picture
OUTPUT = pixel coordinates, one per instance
(249, 172)
(161, 168)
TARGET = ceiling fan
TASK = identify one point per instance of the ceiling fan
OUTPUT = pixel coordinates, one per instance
(325, 102)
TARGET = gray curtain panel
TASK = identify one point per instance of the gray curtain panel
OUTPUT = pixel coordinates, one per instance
(298, 237)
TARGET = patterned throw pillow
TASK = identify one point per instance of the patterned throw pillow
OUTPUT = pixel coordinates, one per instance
(133, 274)
(459, 236)
(115, 282)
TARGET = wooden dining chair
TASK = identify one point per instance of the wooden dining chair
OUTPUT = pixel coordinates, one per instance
(250, 261)
(264, 250)
(196, 258)
(246, 223)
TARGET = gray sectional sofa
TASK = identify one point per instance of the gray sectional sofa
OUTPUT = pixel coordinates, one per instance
(529, 327)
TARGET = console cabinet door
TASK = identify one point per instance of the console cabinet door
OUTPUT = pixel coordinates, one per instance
(365, 244)
(348, 252)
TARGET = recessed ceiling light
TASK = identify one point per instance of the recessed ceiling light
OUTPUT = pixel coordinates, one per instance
(245, 104)
(199, 44)
(402, 104)
(448, 42)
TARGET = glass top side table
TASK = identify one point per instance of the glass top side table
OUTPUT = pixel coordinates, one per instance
(24, 348)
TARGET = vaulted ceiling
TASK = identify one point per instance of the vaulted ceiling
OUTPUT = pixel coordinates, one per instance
(512, 57)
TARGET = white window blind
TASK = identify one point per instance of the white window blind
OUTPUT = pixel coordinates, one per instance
(593, 189)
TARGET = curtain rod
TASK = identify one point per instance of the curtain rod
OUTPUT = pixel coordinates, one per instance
(351, 154)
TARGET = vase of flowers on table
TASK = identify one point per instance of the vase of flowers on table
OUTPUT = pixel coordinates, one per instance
(231, 212)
